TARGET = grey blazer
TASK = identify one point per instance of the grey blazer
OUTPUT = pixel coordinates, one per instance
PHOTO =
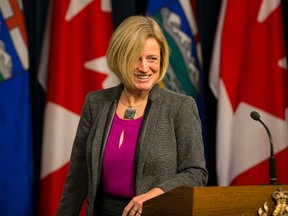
(169, 151)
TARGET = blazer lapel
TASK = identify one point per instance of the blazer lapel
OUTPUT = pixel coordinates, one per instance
(146, 135)
(105, 119)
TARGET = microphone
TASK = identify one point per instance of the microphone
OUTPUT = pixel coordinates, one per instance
(272, 162)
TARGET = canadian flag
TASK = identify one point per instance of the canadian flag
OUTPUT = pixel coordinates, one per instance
(249, 72)
(79, 33)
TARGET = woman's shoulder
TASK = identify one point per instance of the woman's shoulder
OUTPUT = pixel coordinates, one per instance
(171, 95)
(111, 92)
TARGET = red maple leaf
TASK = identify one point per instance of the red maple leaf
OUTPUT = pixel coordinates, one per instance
(84, 37)
(250, 56)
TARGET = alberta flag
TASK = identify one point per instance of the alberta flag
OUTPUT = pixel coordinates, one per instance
(16, 156)
(179, 23)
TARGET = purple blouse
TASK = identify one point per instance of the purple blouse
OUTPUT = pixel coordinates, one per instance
(118, 161)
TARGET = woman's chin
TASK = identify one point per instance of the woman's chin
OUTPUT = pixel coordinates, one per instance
(143, 84)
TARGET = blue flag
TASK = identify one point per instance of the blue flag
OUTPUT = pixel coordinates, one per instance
(184, 75)
(16, 150)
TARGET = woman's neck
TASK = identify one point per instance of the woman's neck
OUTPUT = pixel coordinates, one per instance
(134, 98)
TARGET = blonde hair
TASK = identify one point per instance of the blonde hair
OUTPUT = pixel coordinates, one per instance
(127, 43)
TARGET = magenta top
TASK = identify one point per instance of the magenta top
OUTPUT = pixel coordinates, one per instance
(118, 161)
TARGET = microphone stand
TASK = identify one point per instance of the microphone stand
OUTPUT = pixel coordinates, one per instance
(272, 161)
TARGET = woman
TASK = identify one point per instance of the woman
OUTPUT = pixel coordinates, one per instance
(134, 141)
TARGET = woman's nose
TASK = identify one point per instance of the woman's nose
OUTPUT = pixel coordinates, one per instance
(143, 66)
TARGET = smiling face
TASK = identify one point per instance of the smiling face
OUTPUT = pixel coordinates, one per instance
(138, 53)
(147, 68)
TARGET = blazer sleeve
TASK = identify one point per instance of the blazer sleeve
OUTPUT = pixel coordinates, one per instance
(76, 186)
(191, 168)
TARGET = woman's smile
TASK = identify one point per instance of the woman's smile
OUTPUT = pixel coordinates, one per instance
(143, 76)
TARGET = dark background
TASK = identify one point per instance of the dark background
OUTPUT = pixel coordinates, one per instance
(208, 10)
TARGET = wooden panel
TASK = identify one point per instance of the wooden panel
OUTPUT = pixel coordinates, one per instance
(234, 200)
(171, 203)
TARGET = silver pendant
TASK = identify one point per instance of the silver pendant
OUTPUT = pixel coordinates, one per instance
(130, 113)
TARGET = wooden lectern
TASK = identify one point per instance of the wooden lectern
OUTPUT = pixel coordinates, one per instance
(210, 200)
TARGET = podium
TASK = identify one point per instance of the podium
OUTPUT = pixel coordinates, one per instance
(214, 200)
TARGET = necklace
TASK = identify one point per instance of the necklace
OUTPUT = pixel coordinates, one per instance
(130, 111)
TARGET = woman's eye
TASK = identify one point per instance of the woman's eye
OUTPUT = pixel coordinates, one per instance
(152, 59)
